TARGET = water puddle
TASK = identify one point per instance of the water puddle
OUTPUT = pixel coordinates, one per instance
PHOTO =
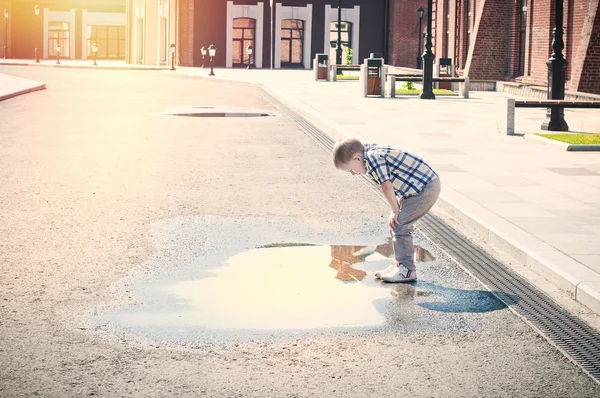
(284, 286)
(204, 284)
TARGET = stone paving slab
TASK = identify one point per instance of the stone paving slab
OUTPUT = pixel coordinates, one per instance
(12, 86)
(536, 202)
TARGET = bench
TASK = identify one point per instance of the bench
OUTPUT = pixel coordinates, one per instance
(393, 77)
(340, 68)
(506, 122)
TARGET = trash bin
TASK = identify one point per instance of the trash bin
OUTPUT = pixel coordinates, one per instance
(321, 66)
(373, 72)
(445, 69)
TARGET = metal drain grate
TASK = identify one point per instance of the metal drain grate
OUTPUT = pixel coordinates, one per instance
(574, 338)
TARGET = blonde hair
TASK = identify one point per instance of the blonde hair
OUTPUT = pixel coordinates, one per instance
(343, 150)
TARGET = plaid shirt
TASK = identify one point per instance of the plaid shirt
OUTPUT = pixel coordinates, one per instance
(407, 172)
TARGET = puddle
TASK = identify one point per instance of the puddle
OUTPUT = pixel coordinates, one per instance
(283, 286)
(216, 111)
(205, 284)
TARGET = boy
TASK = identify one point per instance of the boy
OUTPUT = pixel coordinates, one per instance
(410, 187)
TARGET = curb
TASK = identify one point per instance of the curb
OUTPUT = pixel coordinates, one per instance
(563, 145)
(580, 282)
(13, 94)
(136, 68)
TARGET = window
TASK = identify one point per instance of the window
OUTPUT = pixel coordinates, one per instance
(346, 39)
(109, 39)
(469, 26)
(58, 35)
(292, 43)
(243, 35)
(522, 37)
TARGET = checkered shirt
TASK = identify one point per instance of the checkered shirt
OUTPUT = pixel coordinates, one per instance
(407, 172)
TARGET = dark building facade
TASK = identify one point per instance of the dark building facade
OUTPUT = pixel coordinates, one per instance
(502, 39)
(289, 31)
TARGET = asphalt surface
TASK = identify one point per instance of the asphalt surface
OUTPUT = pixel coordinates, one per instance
(105, 205)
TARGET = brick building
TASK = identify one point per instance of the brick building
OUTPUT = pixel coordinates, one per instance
(297, 29)
(74, 25)
(503, 39)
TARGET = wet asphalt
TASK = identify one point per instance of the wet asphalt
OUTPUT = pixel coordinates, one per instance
(153, 255)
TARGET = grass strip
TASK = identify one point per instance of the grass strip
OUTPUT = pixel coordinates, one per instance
(436, 91)
(581, 139)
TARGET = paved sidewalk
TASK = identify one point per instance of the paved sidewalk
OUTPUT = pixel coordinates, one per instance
(12, 86)
(537, 202)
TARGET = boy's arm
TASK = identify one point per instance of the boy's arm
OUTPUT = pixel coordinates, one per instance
(390, 196)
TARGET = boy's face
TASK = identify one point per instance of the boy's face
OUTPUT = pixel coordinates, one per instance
(355, 166)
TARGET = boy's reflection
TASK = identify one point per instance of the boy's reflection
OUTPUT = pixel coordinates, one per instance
(343, 256)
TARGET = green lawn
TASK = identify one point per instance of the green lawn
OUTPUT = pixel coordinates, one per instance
(344, 77)
(437, 91)
(574, 138)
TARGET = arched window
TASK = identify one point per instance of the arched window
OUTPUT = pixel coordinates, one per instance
(522, 37)
(346, 40)
(292, 43)
(243, 35)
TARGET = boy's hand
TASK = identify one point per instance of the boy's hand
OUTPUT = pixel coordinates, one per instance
(393, 222)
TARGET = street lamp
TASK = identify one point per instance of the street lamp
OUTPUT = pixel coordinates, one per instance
(58, 54)
(212, 50)
(428, 56)
(172, 56)
(420, 13)
(555, 116)
(249, 51)
(203, 51)
(338, 50)
(95, 51)
(5, 30)
(36, 9)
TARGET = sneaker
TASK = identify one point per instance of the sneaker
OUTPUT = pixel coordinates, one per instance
(399, 274)
(385, 271)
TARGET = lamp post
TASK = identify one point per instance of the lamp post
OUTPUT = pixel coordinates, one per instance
(203, 51)
(95, 51)
(58, 54)
(36, 9)
(420, 13)
(249, 51)
(338, 50)
(5, 31)
(212, 50)
(172, 56)
(427, 92)
(555, 117)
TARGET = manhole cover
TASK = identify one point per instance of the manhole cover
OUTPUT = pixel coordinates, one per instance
(216, 111)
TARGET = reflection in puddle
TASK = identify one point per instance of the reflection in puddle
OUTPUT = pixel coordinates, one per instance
(343, 256)
(285, 287)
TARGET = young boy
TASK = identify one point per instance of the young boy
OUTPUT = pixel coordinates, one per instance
(409, 185)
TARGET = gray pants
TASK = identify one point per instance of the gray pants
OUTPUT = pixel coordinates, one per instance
(412, 208)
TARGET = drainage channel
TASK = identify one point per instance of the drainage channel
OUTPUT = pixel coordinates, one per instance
(573, 337)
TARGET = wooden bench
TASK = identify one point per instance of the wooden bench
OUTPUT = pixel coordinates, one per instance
(393, 77)
(506, 123)
(340, 68)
